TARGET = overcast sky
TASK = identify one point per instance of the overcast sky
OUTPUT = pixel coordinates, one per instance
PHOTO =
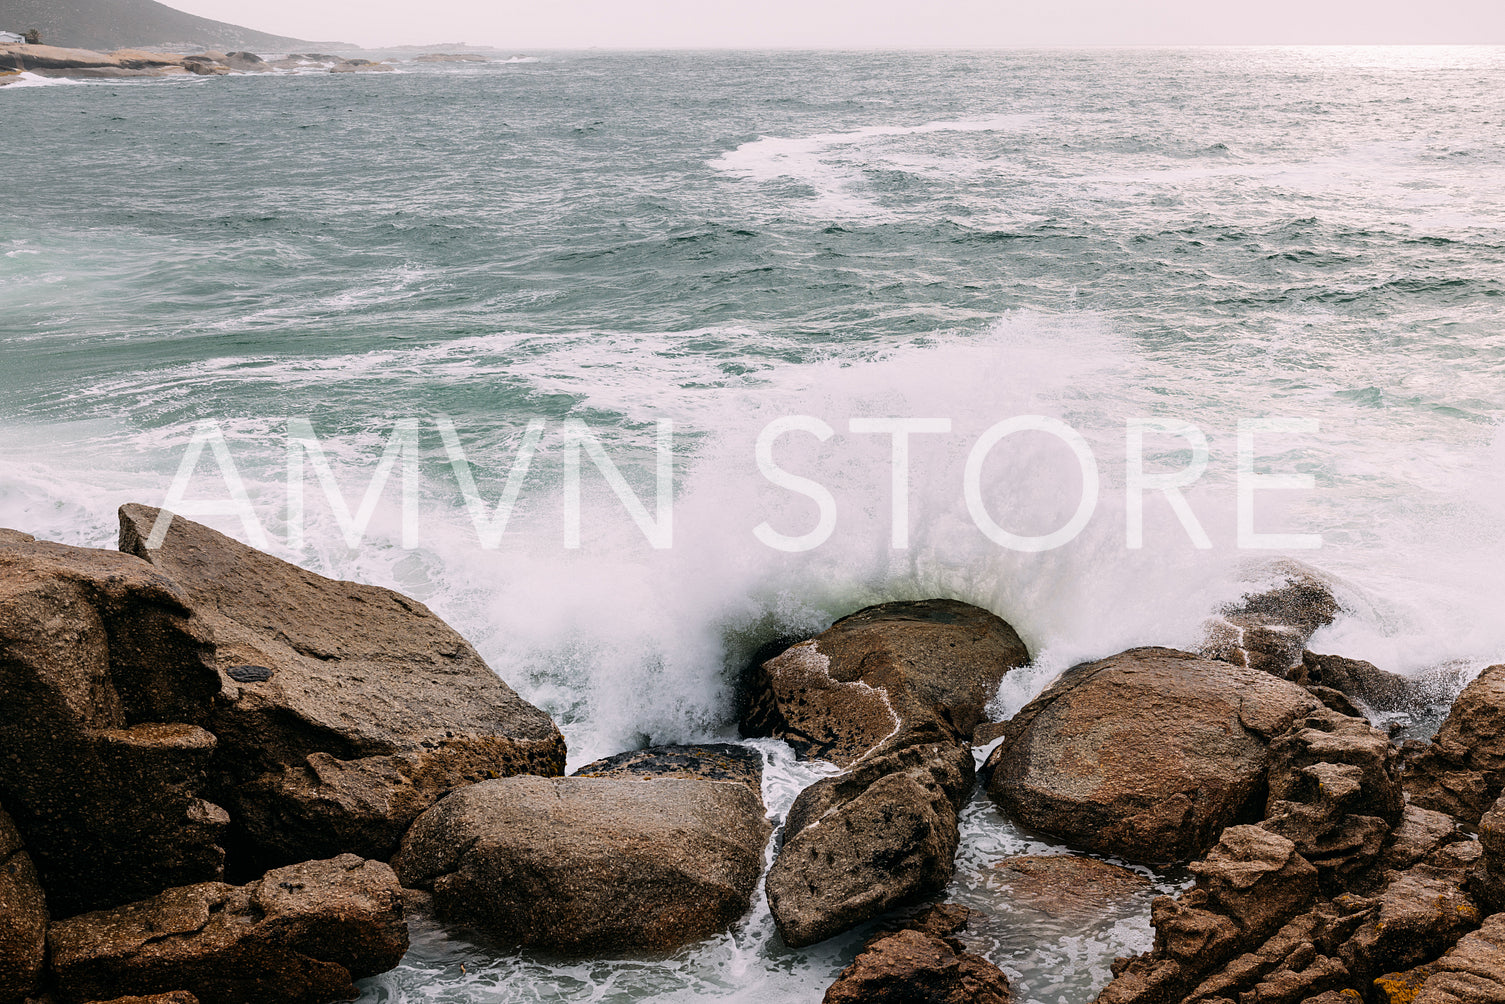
(865, 23)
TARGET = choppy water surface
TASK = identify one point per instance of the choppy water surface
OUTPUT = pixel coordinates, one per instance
(724, 239)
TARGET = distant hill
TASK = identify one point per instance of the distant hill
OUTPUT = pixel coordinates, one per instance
(114, 24)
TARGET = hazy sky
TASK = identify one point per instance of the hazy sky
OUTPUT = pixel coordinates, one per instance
(886, 23)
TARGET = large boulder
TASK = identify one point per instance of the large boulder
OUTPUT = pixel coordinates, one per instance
(880, 673)
(879, 836)
(1268, 629)
(23, 917)
(913, 967)
(344, 710)
(299, 935)
(1463, 771)
(590, 864)
(107, 677)
(1146, 755)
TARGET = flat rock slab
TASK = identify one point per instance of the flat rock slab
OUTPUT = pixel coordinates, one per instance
(709, 762)
(1146, 755)
(346, 709)
(891, 669)
(585, 865)
(1063, 886)
(298, 935)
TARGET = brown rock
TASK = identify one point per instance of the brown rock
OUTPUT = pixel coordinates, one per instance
(1472, 971)
(1463, 771)
(1063, 886)
(299, 934)
(52, 57)
(1366, 682)
(1419, 914)
(1269, 630)
(1334, 790)
(910, 967)
(107, 678)
(590, 864)
(1420, 832)
(931, 665)
(139, 59)
(23, 917)
(1146, 755)
(711, 762)
(346, 709)
(879, 836)
(176, 997)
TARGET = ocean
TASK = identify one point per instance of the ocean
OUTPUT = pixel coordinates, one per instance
(666, 252)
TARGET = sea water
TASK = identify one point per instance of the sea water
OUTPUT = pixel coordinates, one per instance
(722, 240)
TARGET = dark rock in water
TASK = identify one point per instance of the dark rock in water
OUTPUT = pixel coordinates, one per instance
(1472, 972)
(1269, 630)
(299, 934)
(360, 66)
(245, 62)
(880, 673)
(1355, 678)
(590, 864)
(942, 920)
(23, 917)
(911, 967)
(107, 676)
(1335, 791)
(374, 708)
(710, 762)
(1462, 772)
(1064, 886)
(1146, 755)
(880, 836)
(176, 997)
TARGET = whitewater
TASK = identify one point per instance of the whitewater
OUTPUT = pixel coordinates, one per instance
(723, 240)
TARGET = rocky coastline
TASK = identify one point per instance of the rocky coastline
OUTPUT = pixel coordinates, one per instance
(229, 779)
(86, 64)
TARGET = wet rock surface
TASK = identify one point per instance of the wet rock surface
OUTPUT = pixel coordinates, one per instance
(929, 667)
(1462, 771)
(363, 708)
(1146, 755)
(1268, 630)
(584, 865)
(921, 963)
(299, 934)
(710, 762)
(879, 836)
(1065, 886)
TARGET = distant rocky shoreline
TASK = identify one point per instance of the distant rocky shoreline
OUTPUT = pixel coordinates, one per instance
(85, 64)
(230, 780)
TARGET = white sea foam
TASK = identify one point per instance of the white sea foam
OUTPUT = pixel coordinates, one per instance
(832, 164)
(29, 79)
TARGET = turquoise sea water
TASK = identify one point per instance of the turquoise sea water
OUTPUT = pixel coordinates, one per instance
(723, 239)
